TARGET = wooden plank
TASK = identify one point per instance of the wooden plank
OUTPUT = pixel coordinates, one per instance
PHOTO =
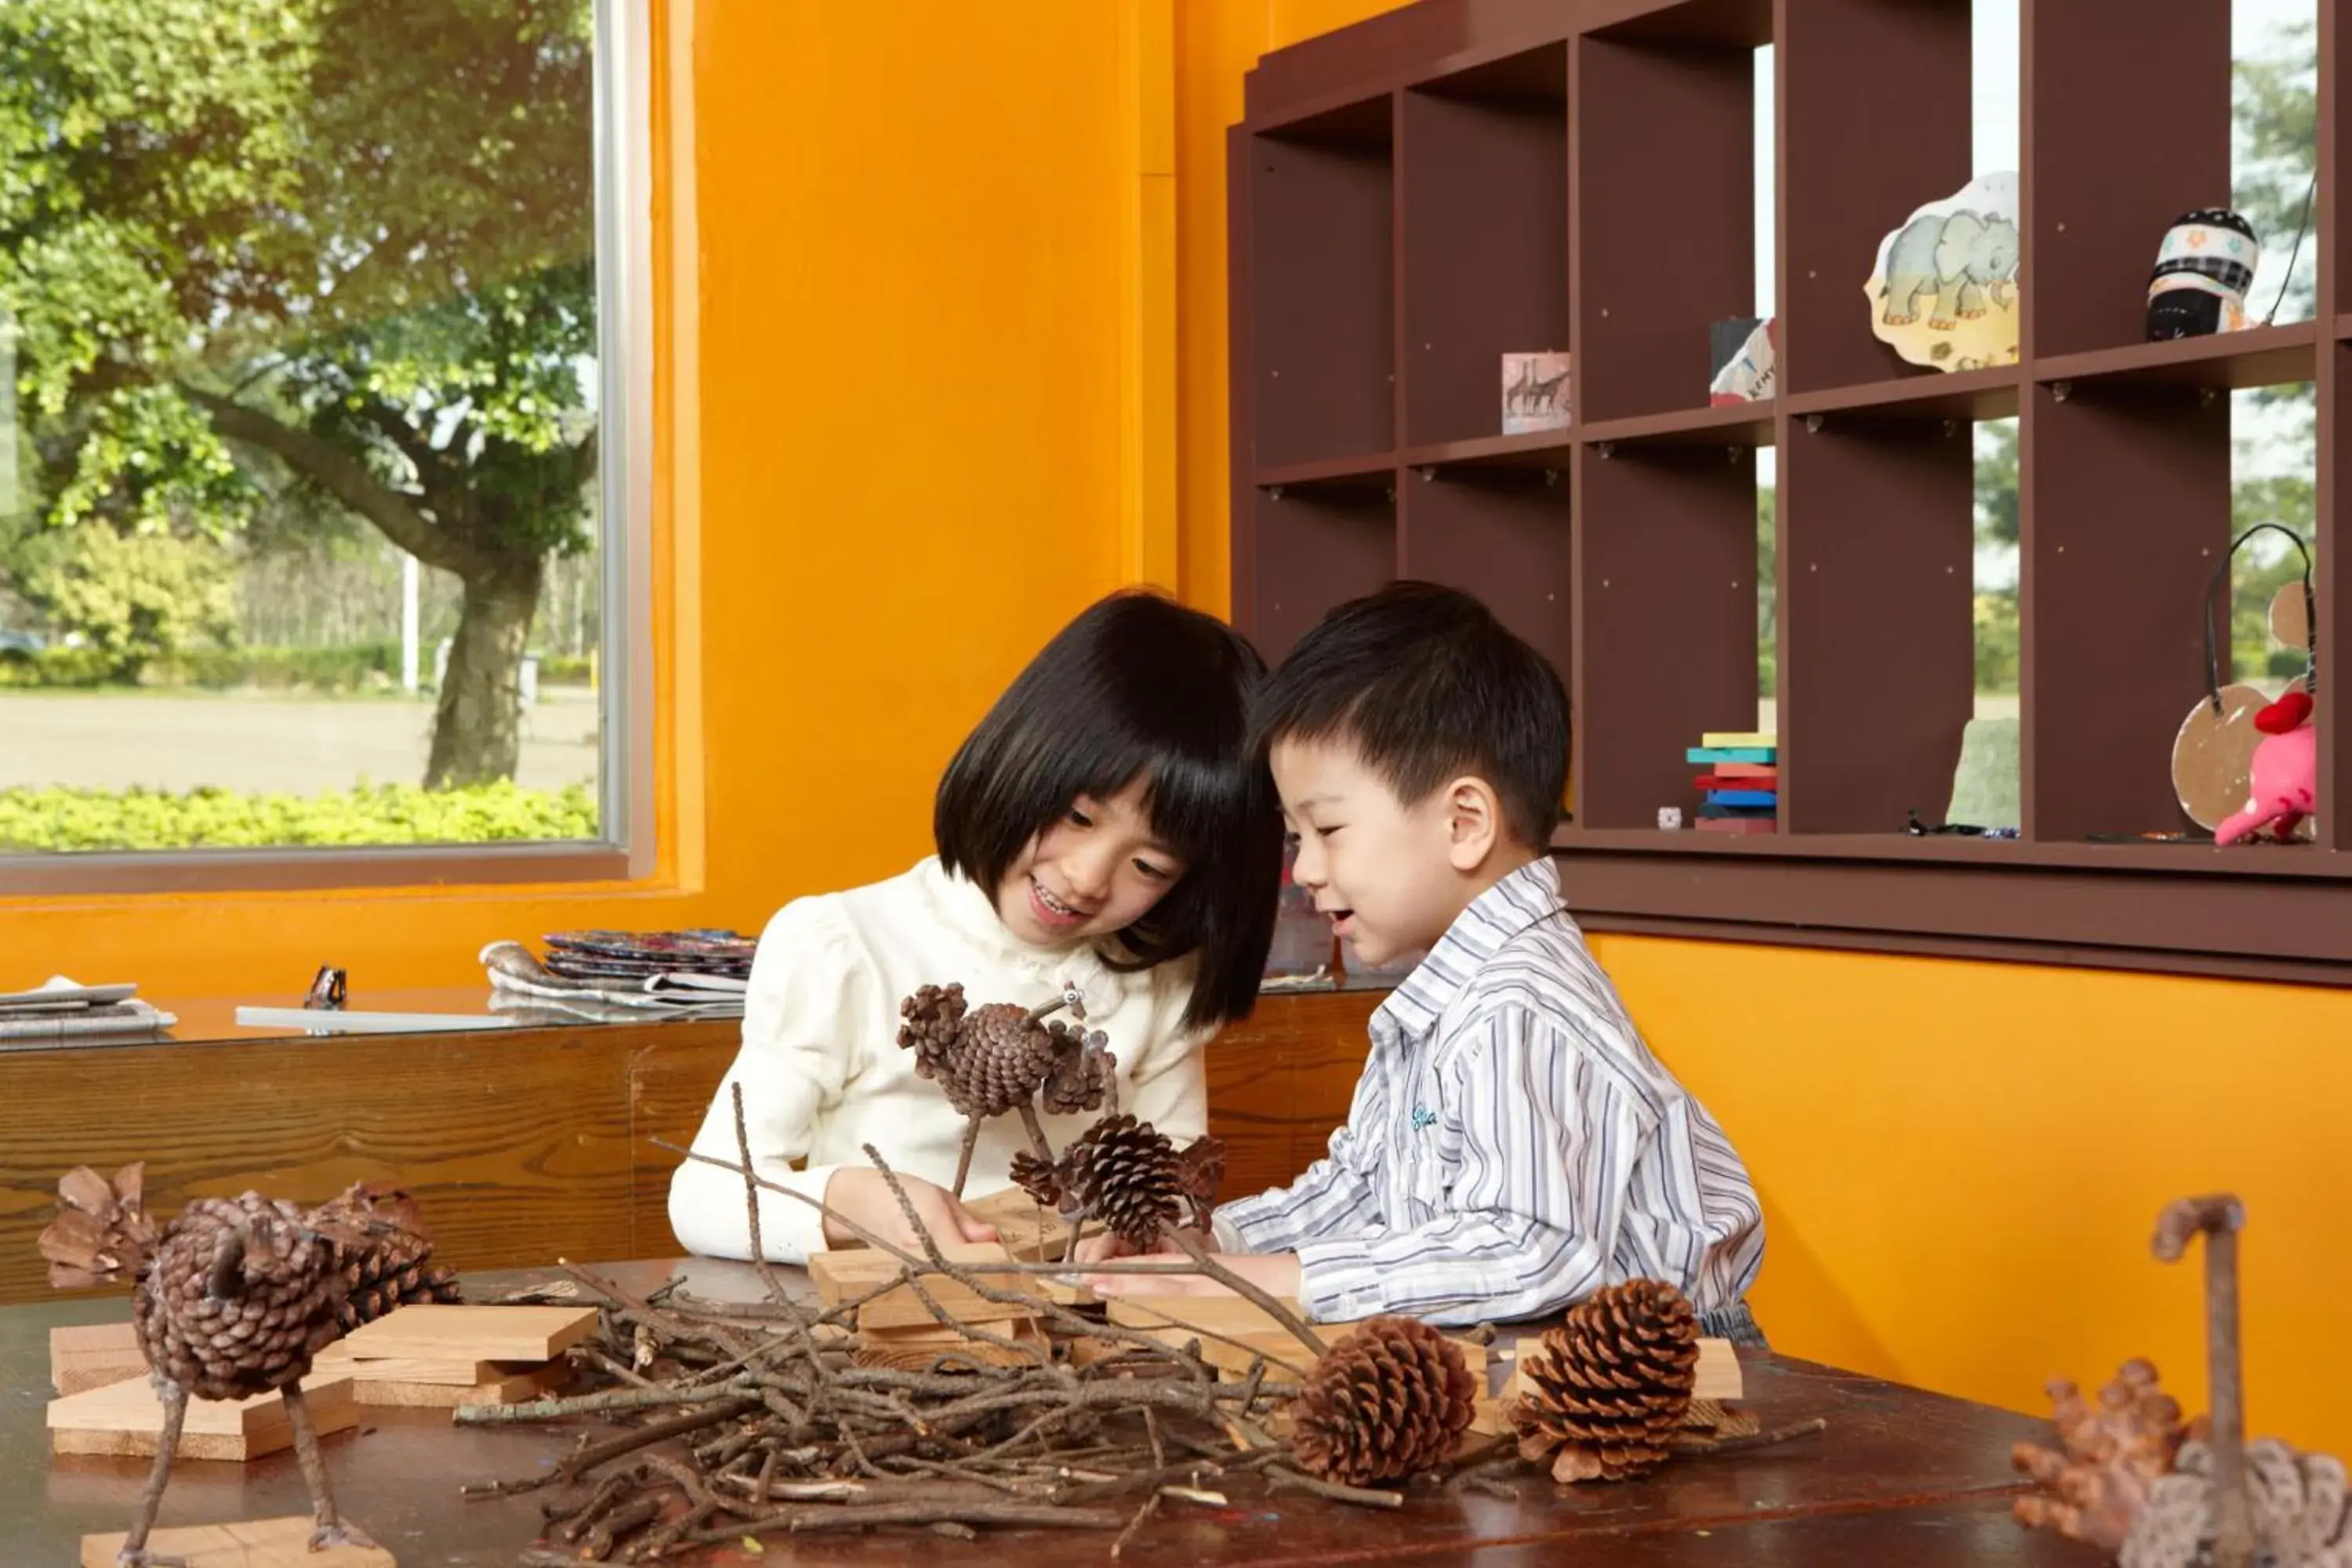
(1029, 1232)
(844, 1274)
(91, 1356)
(245, 1543)
(453, 1372)
(513, 1388)
(126, 1418)
(914, 1349)
(1719, 1375)
(430, 1332)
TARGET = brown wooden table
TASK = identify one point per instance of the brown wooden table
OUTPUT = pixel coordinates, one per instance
(1901, 1477)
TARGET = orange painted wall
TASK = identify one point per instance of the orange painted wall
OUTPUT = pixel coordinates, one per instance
(904, 479)
(1960, 1163)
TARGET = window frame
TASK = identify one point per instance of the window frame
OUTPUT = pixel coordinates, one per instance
(622, 118)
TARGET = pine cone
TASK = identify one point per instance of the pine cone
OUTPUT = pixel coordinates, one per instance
(1041, 1180)
(1081, 1079)
(1200, 1171)
(933, 1015)
(1124, 1174)
(2295, 1503)
(2098, 1481)
(1000, 1059)
(383, 1250)
(240, 1295)
(1388, 1401)
(1609, 1387)
(101, 1231)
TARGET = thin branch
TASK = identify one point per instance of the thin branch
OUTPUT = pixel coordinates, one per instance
(1294, 1480)
(1249, 1291)
(343, 475)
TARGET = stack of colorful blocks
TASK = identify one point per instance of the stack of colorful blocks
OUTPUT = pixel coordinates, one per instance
(1740, 789)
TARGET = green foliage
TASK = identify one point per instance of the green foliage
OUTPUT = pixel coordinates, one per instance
(564, 669)
(136, 598)
(53, 819)
(2277, 115)
(1997, 642)
(60, 667)
(284, 256)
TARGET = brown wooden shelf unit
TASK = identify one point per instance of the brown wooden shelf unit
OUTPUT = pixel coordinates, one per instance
(1414, 195)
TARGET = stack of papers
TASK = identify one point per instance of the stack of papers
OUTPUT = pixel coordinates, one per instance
(61, 1011)
(522, 984)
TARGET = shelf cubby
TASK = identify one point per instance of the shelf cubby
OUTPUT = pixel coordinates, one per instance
(1665, 242)
(1321, 211)
(1484, 193)
(2128, 126)
(1877, 633)
(1317, 546)
(2125, 503)
(1664, 620)
(1874, 115)
(1502, 533)
(1410, 201)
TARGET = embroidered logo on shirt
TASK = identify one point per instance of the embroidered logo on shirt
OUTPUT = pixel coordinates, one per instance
(1424, 1118)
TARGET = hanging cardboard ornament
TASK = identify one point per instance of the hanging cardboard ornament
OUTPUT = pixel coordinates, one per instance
(2290, 616)
(2213, 755)
(1943, 292)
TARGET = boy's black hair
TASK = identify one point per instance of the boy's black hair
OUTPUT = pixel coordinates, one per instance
(1137, 687)
(1427, 685)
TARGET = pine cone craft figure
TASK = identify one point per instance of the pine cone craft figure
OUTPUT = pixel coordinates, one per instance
(2109, 1456)
(1000, 1058)
(1386, 1402)
(1129, 1177)
(235, 1297)
(1609, 1389)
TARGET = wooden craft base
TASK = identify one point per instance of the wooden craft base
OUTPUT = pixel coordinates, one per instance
(914, 1349)
(247, 1543)
(383, 1382)
(91, 1356)
(428, 1332)
(1029, 1233)
(125, 1419)
(1258, 1336)
(843, 1276)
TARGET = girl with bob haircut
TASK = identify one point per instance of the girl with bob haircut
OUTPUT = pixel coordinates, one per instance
(1106, 828)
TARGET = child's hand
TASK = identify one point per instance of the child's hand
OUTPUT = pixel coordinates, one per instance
(1102, 1247)
(1275, 1273)
(859, 1194)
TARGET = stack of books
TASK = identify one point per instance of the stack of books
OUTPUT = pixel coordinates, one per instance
(1739, 790)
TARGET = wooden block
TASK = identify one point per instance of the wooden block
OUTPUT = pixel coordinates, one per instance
(126, 1418)
(843, 1274)
(517, 1385)
(249, 1543)
(914, 1349)
(1220, 1314)
(1032, 1234)
(92, 1355)
(1490, 1418)
(1718, 1372)
(415, 1369)
(430, 1332)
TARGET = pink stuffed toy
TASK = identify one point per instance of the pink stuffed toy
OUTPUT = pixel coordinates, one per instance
(2286, 773)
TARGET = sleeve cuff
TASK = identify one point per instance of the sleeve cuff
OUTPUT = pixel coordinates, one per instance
(1337, 1283)
(1227, 1235)
(705, 1211)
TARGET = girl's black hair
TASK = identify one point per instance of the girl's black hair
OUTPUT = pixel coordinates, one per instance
(1137, 687)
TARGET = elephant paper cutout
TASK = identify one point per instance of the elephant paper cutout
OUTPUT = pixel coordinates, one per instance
(1944, 291)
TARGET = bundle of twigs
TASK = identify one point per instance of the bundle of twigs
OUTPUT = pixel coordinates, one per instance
(751, 1419)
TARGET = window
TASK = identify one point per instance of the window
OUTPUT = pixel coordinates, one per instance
(318, 496)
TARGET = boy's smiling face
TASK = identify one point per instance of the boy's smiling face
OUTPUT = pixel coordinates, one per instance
(1392, 875)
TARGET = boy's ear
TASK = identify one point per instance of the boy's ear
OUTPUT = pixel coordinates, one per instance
(1473, 821)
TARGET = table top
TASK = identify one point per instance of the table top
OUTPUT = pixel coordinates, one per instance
(1899, 1476)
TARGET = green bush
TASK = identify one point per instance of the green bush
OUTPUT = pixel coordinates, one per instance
(563, 669)
(74, 667)
(44, 819)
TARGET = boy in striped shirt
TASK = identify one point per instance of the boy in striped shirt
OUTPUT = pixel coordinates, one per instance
(1513, 1146)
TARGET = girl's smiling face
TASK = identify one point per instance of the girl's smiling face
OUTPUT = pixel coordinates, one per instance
(1093, 873)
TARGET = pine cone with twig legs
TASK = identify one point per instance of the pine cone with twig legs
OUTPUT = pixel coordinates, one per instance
(1609, 1389)
(383, 1250)
(1390, 1400)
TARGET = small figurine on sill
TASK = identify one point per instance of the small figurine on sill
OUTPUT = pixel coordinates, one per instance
(2203, 268)
(2285, 780)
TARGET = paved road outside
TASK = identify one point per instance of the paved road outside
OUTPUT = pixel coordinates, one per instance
(291, 744)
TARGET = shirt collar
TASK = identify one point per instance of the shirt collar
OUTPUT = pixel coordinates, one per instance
(967, 909)
(1520, 899)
